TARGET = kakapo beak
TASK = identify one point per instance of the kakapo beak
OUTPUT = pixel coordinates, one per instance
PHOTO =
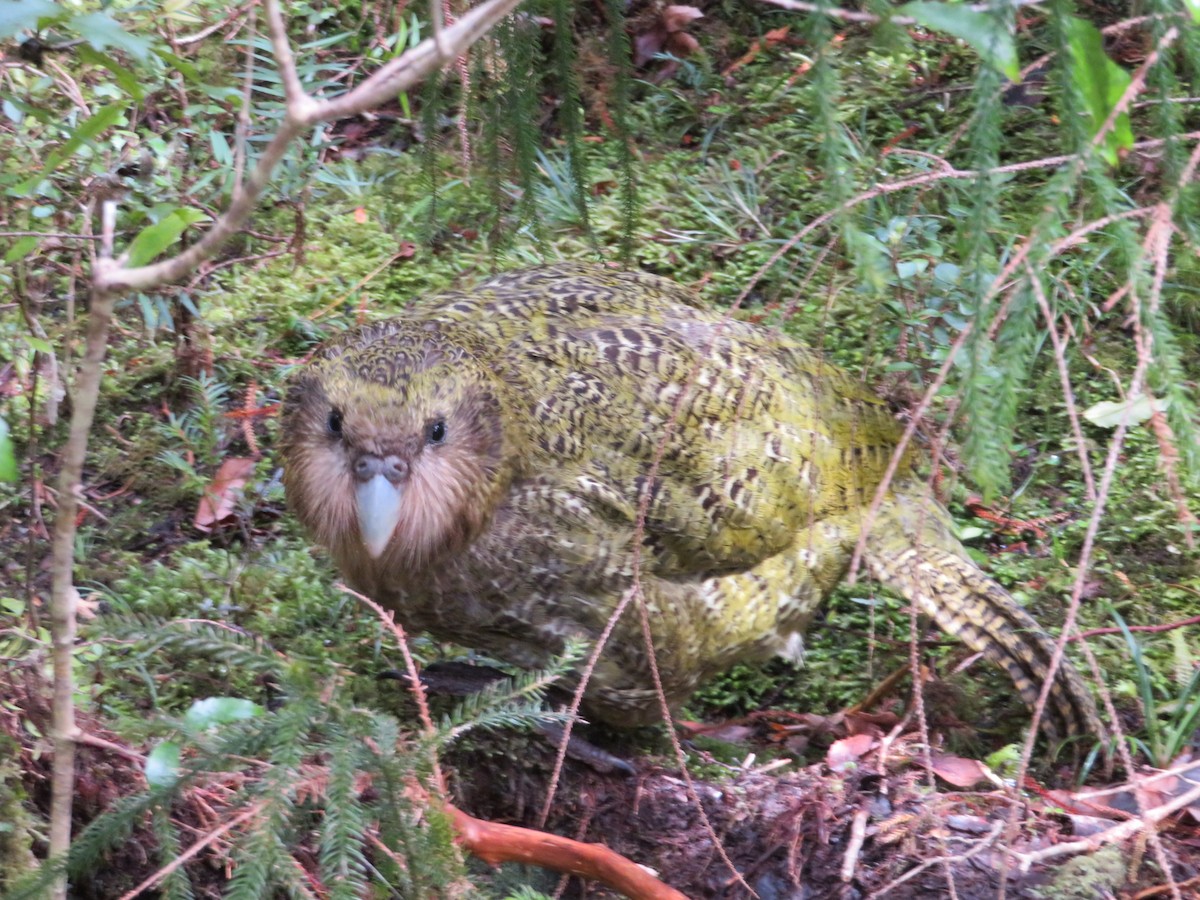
(378, 512)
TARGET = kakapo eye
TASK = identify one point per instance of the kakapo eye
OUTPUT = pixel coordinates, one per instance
(437, 432)
(334, 423)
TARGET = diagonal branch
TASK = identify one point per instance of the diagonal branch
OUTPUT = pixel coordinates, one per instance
(302, 112)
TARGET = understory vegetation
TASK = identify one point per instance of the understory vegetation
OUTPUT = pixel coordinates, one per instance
(1021, 263)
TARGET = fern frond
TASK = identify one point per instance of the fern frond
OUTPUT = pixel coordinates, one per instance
(344, 824)
(228, 646)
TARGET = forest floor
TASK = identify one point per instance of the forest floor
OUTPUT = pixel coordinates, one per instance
(785, 794)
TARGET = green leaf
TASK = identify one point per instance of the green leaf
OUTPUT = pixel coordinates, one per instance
(23, 15)
(1193, 6)
(162, 765)
(126, 79)
(102, 31)
(969, 532)
(1108, 414)
(154, 239)
(219, 710)
(909, 267)
(1100, 82)
(90, 129)
(947, 273)
(41, 345)
(27, 109)
(871, 258)
(8, 456)
(184, 67)
(980, 30)
(20, 249)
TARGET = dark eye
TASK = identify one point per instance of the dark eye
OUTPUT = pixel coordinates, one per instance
(334, 423)
(437, 432)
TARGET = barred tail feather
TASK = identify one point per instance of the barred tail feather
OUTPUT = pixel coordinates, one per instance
(972, 607)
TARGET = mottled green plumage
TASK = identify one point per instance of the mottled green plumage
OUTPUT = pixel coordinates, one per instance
(515, 426)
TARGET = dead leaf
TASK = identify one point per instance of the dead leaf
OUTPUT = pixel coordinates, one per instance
(958, 771)
(769, 40)
(731, 733)
(875, 724)
(676, 18)
(667, 35)
(220, 498)
(848, 750)
(86, 607)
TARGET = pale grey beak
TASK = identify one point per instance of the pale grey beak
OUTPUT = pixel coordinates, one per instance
(378, 512)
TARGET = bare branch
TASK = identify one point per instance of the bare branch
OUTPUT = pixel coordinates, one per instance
(495, 843)
(1148, 820)
(302, 112)
(849, 15)
(406, 71)
(63, 596)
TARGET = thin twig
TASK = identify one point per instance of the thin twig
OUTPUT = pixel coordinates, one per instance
(1144, 342)
(63, 596)
(983, 844)
(848, 15)
(1147, 820)
(1148, 629)
(301, 112)
(241, 133)
(196, 846)
(388, 618)
(1064, 375)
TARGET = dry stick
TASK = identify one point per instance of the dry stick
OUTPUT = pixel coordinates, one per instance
(496, 843)
(914, 422)
(303, 111)
(1076, 237)
(1144, 345)
(914, 660)
(463, 67)
(1151, 629)
(1064, 376)
(241, 134)
(1163, 888)
(846, 15)
(63, 596)
(1160, 781)
(415, 685)
(1159, 240)
(983, 844)
(198, 845)
(362, 282)
(1147, 820)
(71, 89)
(585, 675)
(49, 234)
(93, 740)
(854, 845)
(212, 29)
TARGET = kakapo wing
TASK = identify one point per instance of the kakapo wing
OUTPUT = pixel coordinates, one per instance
(756, 438)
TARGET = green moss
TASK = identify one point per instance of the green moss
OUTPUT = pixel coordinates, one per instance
(17, 825)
